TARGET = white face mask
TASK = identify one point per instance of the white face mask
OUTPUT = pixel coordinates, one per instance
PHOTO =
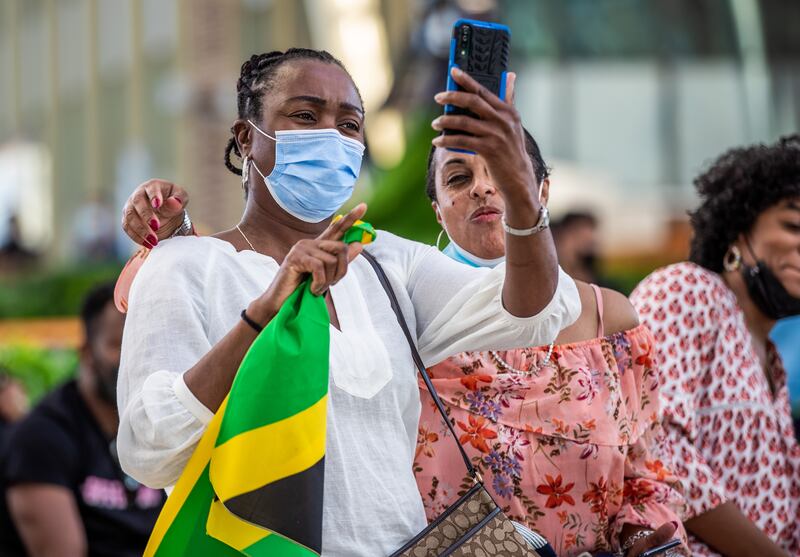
(456, 252)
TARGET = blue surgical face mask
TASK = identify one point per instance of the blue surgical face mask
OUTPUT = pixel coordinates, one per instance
(315, 171)
(456, 252)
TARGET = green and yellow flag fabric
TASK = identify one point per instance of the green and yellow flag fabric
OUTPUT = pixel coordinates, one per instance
(254, 484)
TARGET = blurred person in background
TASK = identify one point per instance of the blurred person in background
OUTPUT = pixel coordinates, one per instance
(14, 256)
(13, 403)
(611, 480)
(575, 235)
(64, 491)
(93, 231)
(299, 114)
(726, 405)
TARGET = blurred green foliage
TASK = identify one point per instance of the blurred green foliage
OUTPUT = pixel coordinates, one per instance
(56, 293)
(38, 369)
(398, 202)
(625, 273)
(624, 278)
(46, 294)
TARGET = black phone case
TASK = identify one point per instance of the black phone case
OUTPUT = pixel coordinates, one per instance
(482, 52)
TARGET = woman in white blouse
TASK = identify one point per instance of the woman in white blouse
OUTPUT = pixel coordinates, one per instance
(300, 135)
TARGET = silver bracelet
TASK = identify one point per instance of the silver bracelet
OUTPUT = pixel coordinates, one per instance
(641, 534)
(186, 226)
(541, 224)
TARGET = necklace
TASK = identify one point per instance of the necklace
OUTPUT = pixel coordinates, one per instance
(249, 243)
(533, 371)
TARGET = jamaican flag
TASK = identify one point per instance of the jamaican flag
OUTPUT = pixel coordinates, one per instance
(254, 484)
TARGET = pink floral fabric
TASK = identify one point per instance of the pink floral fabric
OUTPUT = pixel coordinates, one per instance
(733, 437)
(571, 450)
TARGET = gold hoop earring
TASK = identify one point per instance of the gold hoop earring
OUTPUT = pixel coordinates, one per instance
(439, 239)
(732, 260)
(245, 171)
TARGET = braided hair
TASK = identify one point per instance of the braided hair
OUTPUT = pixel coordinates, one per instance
(739, 186)
(256, 78)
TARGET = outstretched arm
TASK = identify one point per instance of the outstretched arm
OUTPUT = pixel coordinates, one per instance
(531, 263)
(47, 519)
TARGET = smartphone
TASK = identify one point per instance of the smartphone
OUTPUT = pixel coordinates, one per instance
(481, 49)
(652, 552)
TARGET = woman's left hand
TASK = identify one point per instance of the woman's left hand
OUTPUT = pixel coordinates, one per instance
(661, 536)
(496, 134)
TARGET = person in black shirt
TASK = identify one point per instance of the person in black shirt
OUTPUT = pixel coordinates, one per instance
(64, 489)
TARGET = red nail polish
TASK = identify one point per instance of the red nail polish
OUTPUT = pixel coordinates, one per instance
(152, 239)
(156, 203)
(147, 244)
(154, 224)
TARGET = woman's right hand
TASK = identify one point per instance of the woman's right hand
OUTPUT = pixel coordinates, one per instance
(154, 211)
(325, 258)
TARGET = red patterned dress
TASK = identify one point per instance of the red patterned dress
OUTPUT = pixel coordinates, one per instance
(733, 438)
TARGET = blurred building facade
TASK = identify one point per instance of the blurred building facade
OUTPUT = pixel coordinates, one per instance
(628, 98)
(109, 93)
(631, 99)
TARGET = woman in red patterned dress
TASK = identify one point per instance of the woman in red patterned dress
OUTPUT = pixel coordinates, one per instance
(725, 401)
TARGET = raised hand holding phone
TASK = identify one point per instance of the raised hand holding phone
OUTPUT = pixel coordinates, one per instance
(495, 133)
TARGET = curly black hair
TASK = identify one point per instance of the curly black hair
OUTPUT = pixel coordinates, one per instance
(540, 169)
(735, 190)
(256, 77)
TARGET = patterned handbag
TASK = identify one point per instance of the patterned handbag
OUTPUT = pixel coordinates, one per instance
(474, 525)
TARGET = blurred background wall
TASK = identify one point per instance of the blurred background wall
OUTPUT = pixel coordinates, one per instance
(627, 98)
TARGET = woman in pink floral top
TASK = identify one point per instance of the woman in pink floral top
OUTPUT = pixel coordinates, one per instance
(725, 398)
(568, 447)
(567, 442)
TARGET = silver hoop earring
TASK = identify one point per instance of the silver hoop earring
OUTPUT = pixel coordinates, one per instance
(732, 260)
(439, 239)
(245, 171)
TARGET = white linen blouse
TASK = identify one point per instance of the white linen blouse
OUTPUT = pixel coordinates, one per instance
(188, 295)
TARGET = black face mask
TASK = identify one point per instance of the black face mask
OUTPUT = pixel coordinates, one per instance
(767, 292)
(589, 261)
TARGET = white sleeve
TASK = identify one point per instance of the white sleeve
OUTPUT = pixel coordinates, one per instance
(161, 421)
(460, 308)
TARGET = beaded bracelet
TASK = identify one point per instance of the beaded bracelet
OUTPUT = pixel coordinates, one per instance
(641, 534)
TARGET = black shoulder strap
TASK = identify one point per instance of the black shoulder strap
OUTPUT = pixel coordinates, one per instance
(415, 355)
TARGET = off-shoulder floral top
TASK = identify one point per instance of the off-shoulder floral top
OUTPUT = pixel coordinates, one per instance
(571, 447)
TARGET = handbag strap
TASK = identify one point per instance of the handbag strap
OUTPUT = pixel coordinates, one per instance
(384, 280)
